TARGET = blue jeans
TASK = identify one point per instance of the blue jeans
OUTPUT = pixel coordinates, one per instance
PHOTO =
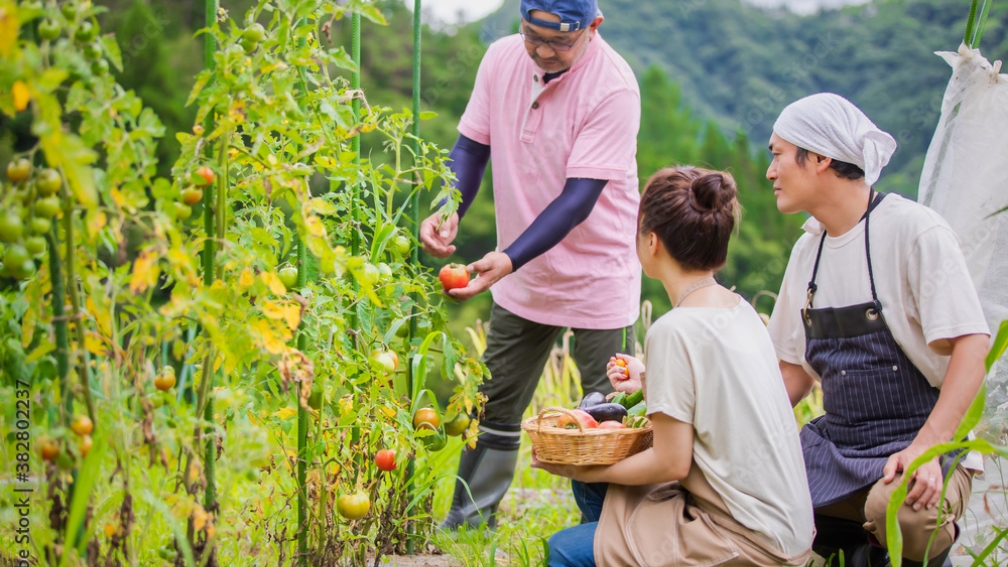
(575, 547)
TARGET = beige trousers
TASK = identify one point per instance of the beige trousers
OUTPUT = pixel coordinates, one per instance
(917, 526)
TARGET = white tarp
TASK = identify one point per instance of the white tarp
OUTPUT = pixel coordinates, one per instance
(965, 176)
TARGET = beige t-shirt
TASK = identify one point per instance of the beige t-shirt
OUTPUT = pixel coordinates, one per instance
(716, 369)
(921, 279)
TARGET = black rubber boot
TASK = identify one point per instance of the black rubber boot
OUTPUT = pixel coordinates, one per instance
(834, 535)
(484, 476)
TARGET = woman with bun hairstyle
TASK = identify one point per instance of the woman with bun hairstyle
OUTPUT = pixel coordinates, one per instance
(724, 482)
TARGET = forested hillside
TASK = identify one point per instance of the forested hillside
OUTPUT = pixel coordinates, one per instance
(740, 65)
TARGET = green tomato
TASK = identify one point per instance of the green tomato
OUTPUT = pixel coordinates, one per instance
(40, 225)
(99, 67)
(15, 257)
(69, 10)
(370, 274)
(86, 32)
(92, 50)
(50, 30)
(182, 211)
(315, 400)
(289, 276)
(249, 46)
(47, 207)
(19, 170)
(35, 245)
(457, 425)
(48, 182)
(384, 270)
(11, 226)
(401, 244)
(254, 33)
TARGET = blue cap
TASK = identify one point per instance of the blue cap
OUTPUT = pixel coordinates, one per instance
(574, 14)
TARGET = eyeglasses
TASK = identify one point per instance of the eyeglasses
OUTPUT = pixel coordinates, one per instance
(554, 45)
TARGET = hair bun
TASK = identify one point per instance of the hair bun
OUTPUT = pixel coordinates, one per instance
(713, 192)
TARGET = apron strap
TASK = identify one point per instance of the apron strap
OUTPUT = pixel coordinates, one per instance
(812, 287)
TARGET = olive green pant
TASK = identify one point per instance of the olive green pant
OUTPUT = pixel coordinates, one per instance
(516, 354)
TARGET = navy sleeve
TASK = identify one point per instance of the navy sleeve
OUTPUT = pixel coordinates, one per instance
(567, 211)
(468, 161)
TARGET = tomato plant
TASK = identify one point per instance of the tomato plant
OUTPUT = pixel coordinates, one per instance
(126, 282)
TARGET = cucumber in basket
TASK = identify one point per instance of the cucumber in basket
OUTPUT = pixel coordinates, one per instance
(638, 410)
(633, 399)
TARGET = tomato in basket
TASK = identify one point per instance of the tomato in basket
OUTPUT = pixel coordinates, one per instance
(570, 420)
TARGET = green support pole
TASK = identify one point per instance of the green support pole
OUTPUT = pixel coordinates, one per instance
(415, 213)
(355, 85)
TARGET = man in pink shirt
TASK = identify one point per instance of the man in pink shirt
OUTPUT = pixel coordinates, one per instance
(558, 112)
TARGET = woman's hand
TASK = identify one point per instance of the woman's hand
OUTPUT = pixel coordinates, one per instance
(624, 373)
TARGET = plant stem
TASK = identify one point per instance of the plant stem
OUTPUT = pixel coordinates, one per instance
(83, 370)
(60, 326)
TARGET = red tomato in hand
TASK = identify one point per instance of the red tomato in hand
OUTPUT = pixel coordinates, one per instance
(385, 459)
(453, 276)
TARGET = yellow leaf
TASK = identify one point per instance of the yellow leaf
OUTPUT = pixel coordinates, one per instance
(246, 278)
(22, 95)
(285, 413)
(288, 311)
(8, 29)
(96, 220)
(40, 351)
(273, 282)
(269, 339)
(102, 316)
(94, 344)
(110, 530)
(145, 272)
(28, 326)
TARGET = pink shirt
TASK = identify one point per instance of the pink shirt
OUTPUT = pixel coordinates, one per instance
(584, 124)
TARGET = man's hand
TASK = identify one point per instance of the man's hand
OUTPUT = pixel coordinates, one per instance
(626, 378)
(926, 484)
(489, 271)
(437, 234)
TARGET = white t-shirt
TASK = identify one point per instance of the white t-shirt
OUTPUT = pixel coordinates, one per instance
(921, 279)
(716, 369)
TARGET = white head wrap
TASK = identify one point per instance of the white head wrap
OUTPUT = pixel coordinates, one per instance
(832, 126)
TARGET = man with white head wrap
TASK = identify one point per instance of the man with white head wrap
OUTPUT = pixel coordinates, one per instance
(877, 303)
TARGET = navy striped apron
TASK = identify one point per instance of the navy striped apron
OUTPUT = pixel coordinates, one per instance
(876, 400)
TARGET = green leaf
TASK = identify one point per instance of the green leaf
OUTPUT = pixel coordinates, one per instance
(973, 414)
(202, 78)
(111, 47)
(1000, 345)
(428, 115)
(90, 472)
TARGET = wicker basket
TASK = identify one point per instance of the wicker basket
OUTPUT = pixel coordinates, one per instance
(581, 446)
